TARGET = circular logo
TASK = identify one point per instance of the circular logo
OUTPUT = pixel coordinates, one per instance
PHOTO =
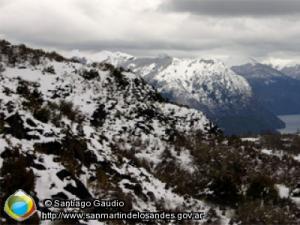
(20, 206)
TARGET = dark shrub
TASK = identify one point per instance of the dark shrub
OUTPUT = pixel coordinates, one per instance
(225, 190)
(295, 147)
(56, 115)
(158, 97)
(234, 141)
(68, 109)
(213, 129)
(33, 98)
(16, 127)
(99, 116)
(49, 69)
(149, 113)
(105, 66)
(102, 180)
(3, 45)
(54, 148)
(75, 146)
(272, 141)
(43, 114)
(10, 106)
(75, 152)
(119, 77)
(262, 187)
(7, 91)
(55, 56)
(90, 74)
(23, 89)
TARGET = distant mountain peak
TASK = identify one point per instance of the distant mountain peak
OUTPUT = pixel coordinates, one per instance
(257, 70)
(278, 90)
(208, 85)
(289, 69)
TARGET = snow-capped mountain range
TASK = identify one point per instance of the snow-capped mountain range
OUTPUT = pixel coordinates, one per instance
(191, 81)
(204, 84)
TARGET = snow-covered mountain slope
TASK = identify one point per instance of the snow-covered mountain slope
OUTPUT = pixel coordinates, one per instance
(292, 71)
(85, 131)
(290, 68)
(209, 86)
(76, 131)
(275, 89)
(256, 70)
(207, 82)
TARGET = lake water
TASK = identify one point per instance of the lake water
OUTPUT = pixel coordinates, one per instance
(292, 123)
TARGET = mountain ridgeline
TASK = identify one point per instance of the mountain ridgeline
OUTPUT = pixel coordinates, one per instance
(291, 70)
(208, 86)
(274, 89)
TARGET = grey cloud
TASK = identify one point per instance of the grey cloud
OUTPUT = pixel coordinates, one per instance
(116, 44)
(235, 7)
(97, 25)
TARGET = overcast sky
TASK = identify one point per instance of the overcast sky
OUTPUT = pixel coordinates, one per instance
(234, 29)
